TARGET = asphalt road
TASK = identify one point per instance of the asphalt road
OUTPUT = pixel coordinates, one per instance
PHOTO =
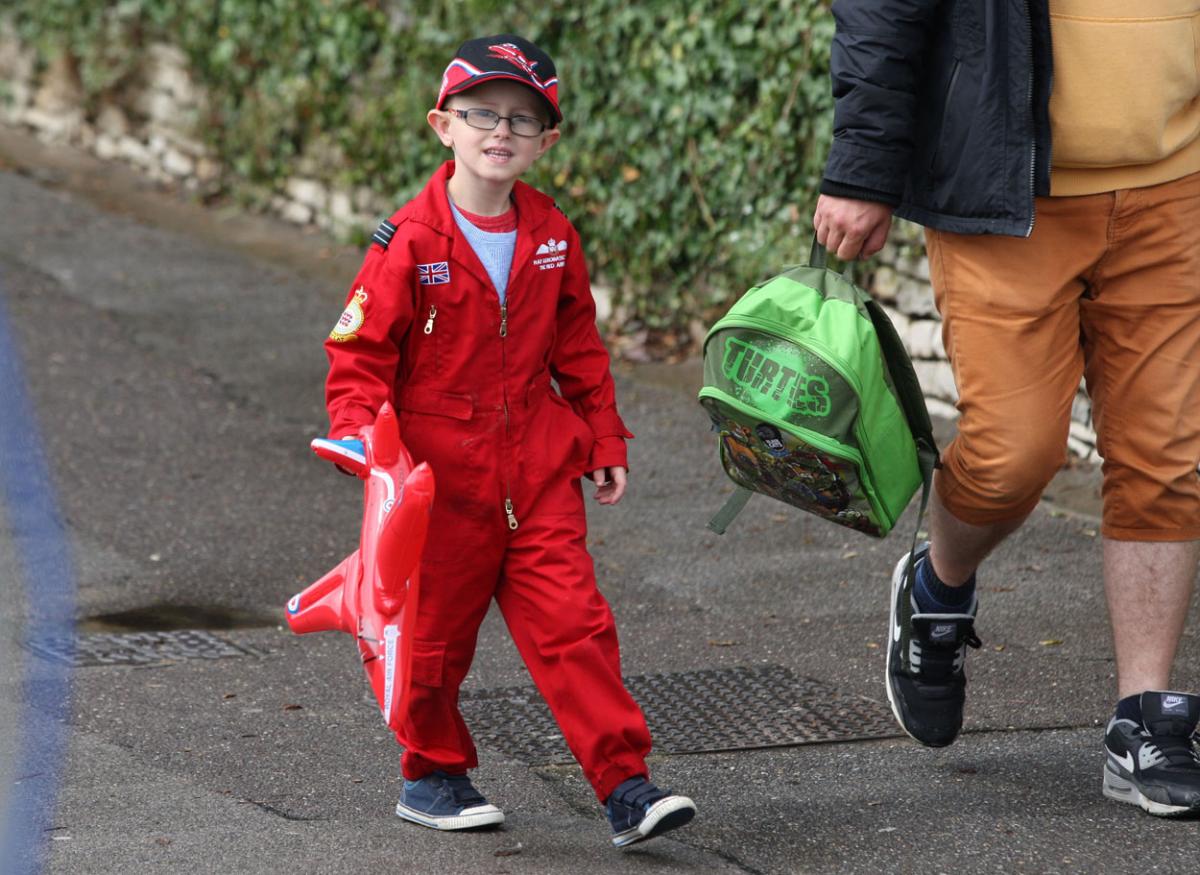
(172, 355)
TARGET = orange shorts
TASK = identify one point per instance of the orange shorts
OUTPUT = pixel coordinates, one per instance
(1107, 287)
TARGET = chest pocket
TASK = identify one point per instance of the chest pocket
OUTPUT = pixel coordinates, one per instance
(438, 295)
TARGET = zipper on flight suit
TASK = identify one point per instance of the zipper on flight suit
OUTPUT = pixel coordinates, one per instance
(432, 316)
(508, 505)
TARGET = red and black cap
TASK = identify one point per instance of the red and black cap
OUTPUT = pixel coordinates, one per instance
(504, 56)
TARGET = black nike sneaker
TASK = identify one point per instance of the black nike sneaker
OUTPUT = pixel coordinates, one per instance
(925, 681)
(1155, 764)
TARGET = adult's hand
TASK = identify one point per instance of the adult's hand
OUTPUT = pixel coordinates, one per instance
(851, 228)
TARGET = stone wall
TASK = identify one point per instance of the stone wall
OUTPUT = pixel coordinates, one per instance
(154, 124)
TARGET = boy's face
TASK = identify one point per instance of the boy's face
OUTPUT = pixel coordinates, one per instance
(498, 156)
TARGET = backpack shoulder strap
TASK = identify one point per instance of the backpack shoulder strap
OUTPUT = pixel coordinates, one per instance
(730, 509)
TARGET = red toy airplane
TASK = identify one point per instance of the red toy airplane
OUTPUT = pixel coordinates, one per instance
(372, 594)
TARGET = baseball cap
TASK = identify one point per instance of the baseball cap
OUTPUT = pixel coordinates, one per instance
(503, 56)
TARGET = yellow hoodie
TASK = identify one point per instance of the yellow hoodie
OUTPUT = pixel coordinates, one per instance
(1125, 106)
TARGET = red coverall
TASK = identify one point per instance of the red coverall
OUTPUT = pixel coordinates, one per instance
(470, 381)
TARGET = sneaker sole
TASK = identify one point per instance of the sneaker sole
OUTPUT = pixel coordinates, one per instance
(897, 579)
(471, 818)
(663, 816)
(1123, 790)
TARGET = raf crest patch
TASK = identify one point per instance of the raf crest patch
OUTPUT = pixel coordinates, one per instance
(351, 319)
(434, 274)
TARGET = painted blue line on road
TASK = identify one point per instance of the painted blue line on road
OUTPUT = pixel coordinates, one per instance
(43, 552)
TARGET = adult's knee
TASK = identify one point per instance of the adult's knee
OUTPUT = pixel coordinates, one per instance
(988, 483)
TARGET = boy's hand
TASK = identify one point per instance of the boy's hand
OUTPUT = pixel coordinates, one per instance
(610, 484)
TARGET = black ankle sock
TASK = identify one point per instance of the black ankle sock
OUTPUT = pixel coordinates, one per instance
(1130, 708)
(935, 597)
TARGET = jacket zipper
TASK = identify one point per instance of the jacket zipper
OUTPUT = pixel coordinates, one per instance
(508, 504)
(432, 316)
(1032, 118)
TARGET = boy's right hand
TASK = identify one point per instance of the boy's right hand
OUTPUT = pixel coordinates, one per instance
(348, 454)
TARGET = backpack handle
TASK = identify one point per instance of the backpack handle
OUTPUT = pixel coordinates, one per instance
(816, 254)
(818, 258)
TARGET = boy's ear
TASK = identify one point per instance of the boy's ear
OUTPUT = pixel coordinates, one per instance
(440, 122)
(549, 138)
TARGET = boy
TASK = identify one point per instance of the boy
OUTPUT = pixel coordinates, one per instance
(472, 298)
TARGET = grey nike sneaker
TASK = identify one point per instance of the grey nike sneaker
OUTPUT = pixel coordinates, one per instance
(1155, 764)
(926, 685)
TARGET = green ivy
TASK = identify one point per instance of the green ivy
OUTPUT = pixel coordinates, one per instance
(693, 143)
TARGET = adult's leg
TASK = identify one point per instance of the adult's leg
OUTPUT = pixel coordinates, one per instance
(1149, 587)
(1010, 311)
(956, 548)
(1142, 341)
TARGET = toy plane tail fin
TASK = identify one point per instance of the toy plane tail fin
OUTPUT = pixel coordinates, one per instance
(321, 606)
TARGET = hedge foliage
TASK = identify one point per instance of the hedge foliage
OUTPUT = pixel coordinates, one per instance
(694, 137)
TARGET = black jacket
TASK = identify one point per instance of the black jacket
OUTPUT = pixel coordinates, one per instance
(942, 110)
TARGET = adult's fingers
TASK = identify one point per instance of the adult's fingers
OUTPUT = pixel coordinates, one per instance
(877, 237)
(849, 248)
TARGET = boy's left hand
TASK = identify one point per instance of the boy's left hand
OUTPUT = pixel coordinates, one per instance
(610, 484)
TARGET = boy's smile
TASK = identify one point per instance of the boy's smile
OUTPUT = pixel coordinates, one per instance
(488, 162)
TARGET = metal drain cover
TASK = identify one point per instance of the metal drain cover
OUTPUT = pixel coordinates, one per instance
(703, 711)
(138, 648)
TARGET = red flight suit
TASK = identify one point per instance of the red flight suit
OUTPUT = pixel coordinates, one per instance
(470, 380)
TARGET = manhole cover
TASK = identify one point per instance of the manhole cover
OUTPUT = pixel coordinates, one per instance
(138, 648)
(691, 712)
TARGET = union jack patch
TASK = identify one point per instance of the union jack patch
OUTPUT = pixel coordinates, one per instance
(434, 274)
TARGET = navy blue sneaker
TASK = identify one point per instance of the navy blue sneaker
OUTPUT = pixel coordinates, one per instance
(638, 811)
(442, 801)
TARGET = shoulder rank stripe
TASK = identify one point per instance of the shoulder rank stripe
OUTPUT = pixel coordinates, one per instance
(383, 234)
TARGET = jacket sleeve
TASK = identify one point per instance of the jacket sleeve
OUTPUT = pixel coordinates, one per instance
(579, 364)
(875, 64)
(364, 346)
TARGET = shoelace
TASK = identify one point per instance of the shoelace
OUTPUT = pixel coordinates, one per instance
(1176, 750)
(935, 662)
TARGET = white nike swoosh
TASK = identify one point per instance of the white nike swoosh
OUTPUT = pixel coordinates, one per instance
(1126, 760)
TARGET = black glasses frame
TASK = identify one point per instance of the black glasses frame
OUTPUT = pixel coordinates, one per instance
(496, 118)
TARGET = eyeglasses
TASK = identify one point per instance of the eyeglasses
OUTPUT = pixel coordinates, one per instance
(486, 120)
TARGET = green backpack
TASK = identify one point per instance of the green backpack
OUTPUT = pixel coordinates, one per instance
(816, 402)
